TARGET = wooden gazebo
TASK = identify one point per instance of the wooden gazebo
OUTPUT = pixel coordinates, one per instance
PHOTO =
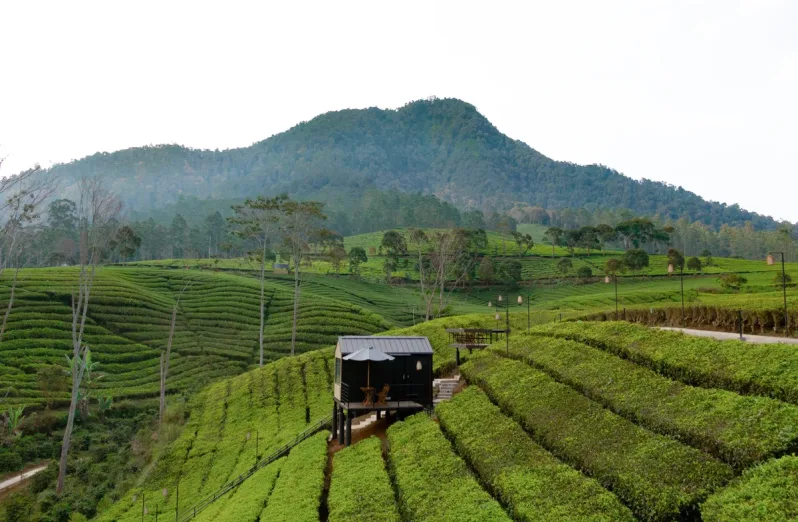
(473, 338)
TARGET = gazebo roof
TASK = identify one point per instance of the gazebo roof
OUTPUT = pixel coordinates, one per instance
(392, 345)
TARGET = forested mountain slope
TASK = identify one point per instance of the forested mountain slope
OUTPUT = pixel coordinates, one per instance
(441, 147)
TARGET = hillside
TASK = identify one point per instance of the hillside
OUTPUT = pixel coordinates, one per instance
(539, 433)
(442, 147)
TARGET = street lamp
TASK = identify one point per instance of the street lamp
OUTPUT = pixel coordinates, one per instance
(507, 319)
(528, 316)
(771, 262)
(681, 280)
(607, 280)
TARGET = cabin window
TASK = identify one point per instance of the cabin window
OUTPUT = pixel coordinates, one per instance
(418, 366)
(337, 371)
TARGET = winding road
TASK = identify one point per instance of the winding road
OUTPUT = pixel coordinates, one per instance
(21, 477)
(728, 336)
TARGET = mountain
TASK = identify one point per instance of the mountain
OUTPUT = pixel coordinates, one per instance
(441, 147)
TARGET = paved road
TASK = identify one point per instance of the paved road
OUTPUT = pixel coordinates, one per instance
(16, 479)
(728, 336)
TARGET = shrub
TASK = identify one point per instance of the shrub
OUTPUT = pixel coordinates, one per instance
(353, 468)
(18, 507)
(529, 480)
(297, 493)
(732, 281)
(432, 482)
(770, 370)
(584, 272)
(657, 477)
(766, 493)
(739, 430)
(10, 461)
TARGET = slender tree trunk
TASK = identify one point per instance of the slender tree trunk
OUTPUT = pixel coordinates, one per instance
(165, 364)
(10, 304)
(262, 277)
(297, 260)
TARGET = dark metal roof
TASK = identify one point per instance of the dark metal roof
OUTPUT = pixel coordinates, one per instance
(388, 344)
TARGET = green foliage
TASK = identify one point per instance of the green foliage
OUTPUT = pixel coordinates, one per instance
(357, 255)
(431, 146)
(657, 477)
(18, 507)
(297, 493)
(361, 490)
(486, 271)
(530, 481)
(779, 279)
(635, 259)
(564, 265)
(765, 493)
(769, 370)
(584, 272)
(732, 281)
(694, 264)
(737, 429)
(432, 482)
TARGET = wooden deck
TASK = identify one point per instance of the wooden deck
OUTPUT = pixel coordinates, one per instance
(389, 405)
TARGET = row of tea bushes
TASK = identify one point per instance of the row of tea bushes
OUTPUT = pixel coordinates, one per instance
(769, 370)
(297, 494)
(432, 482)
(360, 490)
(262, 409)
(766, 493)
(245, 503)
(740, 430)
(657, 477)
(527, 479)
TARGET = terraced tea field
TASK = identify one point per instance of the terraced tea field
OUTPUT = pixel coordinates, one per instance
(601, 421)
(129, 314)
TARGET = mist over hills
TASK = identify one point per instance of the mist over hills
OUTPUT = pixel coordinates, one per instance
(443, 147)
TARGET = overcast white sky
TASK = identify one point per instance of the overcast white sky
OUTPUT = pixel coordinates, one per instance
(698, 94)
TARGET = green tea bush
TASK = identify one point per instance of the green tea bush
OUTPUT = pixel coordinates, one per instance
(433, 483)
(297, 493)
(360, 490)
(767, 493)
(737, 429)
(770, 370)
(530, 481)
(657, 477)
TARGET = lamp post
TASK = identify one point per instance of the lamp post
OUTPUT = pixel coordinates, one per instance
(681, 279)
(772, 261)
(607, 280)
(528, 315)
(507, 319)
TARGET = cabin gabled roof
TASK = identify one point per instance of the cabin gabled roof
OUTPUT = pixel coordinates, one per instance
(392, 345)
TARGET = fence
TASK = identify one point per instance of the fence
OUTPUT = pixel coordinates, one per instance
(192, 511)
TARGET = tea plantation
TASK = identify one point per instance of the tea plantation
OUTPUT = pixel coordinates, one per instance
(577, 421)
(129, 315)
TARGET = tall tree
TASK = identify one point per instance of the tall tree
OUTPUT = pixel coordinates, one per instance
(178, 235)
(167, 353)
(299, 224)
(393, 244)
(524, 242)
(357, 255)
(97, 210)
(259, 220)
(553, 236)
(215, 230)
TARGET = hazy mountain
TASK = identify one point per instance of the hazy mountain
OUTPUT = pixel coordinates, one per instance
(441, 147)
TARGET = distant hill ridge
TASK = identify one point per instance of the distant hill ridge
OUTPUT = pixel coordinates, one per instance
(437, 146)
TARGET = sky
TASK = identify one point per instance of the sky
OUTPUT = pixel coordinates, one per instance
(699, 94)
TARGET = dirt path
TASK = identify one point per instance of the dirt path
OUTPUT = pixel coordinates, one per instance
(21, 477)
(728, 336)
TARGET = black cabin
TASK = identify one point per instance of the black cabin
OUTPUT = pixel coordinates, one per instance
(402, 384)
